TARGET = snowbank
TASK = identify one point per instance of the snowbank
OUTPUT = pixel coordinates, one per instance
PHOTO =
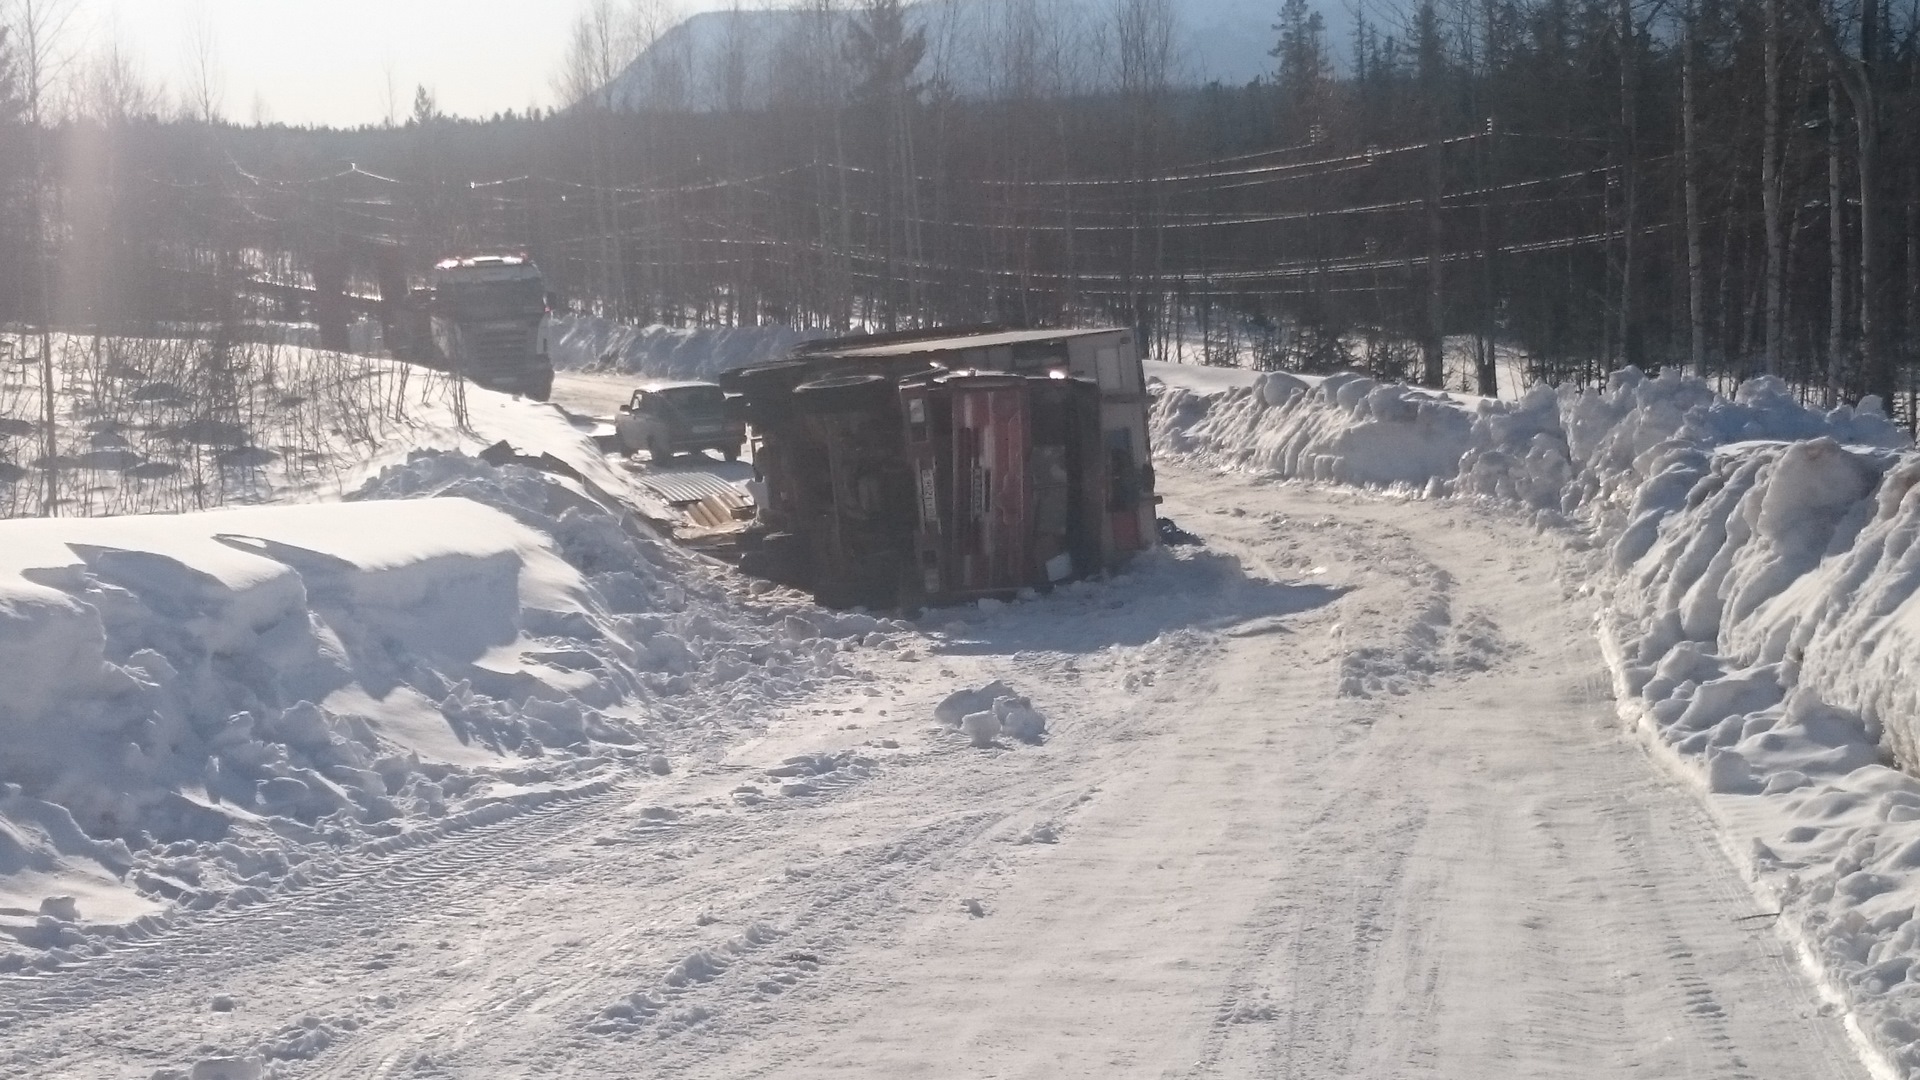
(1550, 450)
(201, 708)
(1763, 634)
(589, 343)
(1343, 428)
(1761, 575)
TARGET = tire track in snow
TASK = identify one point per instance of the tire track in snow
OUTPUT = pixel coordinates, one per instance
(217, 949)
(560, 980)
(792, 933)
(541, 987)
(846, 895)
(707, 981)
(1614, 904)
(1327, 924)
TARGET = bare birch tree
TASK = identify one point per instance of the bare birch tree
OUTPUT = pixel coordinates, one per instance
(201, 91)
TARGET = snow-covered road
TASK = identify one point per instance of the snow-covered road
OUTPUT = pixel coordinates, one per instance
(1341, 793)
(594, 394)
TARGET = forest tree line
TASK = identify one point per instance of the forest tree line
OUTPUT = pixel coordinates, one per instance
(1729, 187)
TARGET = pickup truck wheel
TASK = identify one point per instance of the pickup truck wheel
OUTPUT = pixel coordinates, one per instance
(731, 453)
(656, 451)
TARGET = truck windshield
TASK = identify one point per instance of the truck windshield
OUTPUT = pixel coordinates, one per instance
(494, 299)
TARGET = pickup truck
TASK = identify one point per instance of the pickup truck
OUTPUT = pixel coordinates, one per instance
(665, 419)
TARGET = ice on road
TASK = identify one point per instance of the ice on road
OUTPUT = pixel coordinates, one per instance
(1341, 793)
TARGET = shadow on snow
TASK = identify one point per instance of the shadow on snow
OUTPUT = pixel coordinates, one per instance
(1164, 591)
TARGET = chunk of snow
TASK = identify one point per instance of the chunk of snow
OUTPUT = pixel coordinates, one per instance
(982, 729)
(228, 1068)
(1019, 720)
(956, 706)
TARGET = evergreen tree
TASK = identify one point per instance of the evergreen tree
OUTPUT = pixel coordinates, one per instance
(883, 54)
(1303, 69)
(425, 108)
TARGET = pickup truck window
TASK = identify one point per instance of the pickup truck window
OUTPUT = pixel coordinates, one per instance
(695, 398)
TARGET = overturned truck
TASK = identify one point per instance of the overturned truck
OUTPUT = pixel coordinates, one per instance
(931, 468)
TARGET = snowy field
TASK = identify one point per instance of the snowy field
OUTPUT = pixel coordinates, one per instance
(160, 425)
(1565, 736)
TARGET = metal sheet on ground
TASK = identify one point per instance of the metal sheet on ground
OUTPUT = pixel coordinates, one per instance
(705, 499)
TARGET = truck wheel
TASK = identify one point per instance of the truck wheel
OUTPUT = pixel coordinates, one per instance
(846, 393)
(656, 451)
(731, 453)
(766, 391)
(781, 557)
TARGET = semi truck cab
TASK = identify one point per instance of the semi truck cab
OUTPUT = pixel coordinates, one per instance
(491, 322)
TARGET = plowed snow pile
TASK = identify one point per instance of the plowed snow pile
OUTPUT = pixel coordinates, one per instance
(1760, 564)
(201, 708)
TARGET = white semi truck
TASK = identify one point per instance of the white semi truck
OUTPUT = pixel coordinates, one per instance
(491, 322)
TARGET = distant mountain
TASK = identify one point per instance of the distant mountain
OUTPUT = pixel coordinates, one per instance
(750, 58)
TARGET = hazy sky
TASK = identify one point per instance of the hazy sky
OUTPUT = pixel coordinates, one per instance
(328, 61)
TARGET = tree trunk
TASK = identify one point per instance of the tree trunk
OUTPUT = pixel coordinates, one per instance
(1876, 359)
(1488, 367)
(1770, 193)
(1836, 248)
(1629, 182)
(1433, 344)
(1913, 291)
(1690, 142)
(1725, 306)
(1860, 76)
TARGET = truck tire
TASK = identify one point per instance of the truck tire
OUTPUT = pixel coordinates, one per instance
(731, 453)
(540, 387)
(766, 391)
(846, 393)
(781, 557)
(780, 375)
(657, 452)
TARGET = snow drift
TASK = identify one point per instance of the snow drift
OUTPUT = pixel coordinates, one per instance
(1760, 572)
